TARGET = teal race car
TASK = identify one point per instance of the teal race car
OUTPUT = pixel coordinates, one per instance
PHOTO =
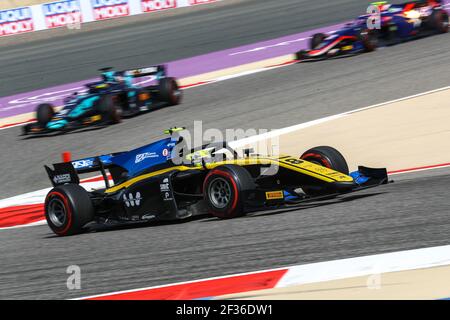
(108, 101)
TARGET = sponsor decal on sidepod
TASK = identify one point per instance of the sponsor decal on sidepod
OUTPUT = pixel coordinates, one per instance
(131, 200)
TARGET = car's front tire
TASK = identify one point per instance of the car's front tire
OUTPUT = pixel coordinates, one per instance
(327, 157)
(44, 114)
(68, 208)
(369, 40)
(169, 91)
(439, 21)
(224, 190)
(109, 109)
(316, 40)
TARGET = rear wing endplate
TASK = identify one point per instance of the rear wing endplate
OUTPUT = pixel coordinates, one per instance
(63, 173)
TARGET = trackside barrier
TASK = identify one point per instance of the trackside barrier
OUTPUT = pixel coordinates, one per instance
(73, 13)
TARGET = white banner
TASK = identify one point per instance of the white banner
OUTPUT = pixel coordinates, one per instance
(73, 13)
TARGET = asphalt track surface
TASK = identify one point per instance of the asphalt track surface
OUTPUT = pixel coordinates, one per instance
(156, 38)
(405, 215)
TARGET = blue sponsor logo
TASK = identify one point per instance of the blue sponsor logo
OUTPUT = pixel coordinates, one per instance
(61, 7)
(107, 3)
(15, 15)
(84, 163)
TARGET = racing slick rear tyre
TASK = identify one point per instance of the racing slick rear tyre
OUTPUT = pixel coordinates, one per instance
(316, 40)
(68, 209)
(369, 40)
(439, 21)
(169, 91)
(109, 109)
(224, 190)
(327, 157)
(44, 114)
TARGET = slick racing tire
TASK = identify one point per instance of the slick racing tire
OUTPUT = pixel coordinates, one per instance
(439, 21)
(316, 40)
(169, 91)
(68, 209)
(224, 190)
(327, 157)
(109, 109)
(369, 40)
(44, 114)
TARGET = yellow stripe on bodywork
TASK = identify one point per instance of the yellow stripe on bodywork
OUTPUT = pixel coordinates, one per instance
(291, 163)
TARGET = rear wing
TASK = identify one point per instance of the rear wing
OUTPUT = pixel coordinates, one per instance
(148, 71)
(68, 172)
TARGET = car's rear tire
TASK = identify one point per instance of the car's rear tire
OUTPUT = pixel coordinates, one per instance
(439, 21)
(44, 114)
(224, 190)
(110, 109)
(169, 91)
(68, 208)
(369, 40)
(316, 40)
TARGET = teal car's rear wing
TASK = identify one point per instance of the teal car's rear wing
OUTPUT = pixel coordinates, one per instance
(159, 70)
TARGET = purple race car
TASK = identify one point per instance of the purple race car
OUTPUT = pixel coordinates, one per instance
(388, 24)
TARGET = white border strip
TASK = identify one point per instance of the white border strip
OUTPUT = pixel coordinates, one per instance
(366, 265)
(337, 269)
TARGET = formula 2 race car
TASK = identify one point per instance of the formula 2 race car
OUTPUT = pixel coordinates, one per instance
(397, 22)
(107, 101)
(165, 180)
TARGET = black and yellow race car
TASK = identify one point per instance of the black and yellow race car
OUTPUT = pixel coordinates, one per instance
(165, 180)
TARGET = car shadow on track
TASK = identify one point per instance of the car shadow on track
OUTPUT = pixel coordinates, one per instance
(301, 207)
(90, 128)
(207, 218)
(314, 205)
(130, 226)
(60, 133)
